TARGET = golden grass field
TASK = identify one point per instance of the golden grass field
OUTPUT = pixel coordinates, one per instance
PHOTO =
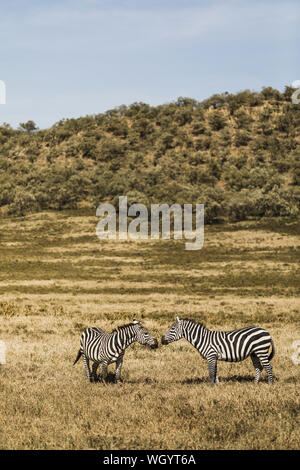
(57, 278)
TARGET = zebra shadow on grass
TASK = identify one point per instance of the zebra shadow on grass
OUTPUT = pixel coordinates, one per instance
(111, 379)
(229, 379)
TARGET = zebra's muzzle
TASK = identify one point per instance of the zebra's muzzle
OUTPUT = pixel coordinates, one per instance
(163, 340)
(154, 345)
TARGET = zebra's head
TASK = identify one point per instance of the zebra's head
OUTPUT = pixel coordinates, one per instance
(143, 336)
(174, 333)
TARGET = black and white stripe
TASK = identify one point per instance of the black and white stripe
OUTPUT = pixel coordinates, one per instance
(232, 346)
(105, 348)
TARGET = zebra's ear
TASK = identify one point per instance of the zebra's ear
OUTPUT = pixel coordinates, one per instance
(135, 321)
(176, 318)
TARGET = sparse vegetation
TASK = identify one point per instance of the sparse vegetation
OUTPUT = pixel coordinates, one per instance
(57, 278)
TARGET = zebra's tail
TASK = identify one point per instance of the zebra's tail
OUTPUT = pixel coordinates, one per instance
(78, 357)
(272, 352)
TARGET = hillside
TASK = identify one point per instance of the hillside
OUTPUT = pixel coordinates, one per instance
(239, 154)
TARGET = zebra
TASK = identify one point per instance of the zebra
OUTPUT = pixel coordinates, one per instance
(231, 346)
(104, 348)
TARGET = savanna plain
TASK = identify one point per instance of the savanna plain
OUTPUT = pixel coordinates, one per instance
(57, 278)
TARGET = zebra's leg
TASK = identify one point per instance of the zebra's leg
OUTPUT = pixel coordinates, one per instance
(212, 369)
(104, 371)
(87, 367)
(257, 366)
(119, 364)
(94, 371)
(265, 362)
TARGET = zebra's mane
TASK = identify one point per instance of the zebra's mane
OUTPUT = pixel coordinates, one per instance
(189, 320)
(122, 327)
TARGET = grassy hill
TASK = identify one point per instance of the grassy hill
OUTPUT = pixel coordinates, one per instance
(239, 154)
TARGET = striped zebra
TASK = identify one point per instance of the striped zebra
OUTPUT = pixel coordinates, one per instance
(105, 348)
(231, 346)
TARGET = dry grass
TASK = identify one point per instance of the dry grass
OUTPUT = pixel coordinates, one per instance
(240, 277)
(165, 401)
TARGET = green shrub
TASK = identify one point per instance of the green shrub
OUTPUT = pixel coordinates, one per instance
(216, 120)
(23, 202)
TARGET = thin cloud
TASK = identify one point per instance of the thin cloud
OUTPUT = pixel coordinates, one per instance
(66, 58)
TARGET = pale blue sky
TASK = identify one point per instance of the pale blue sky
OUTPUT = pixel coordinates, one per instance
(66, 58)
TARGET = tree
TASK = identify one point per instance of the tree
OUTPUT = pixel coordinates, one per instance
(28, 126)
(216, 121)
(24, 201)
